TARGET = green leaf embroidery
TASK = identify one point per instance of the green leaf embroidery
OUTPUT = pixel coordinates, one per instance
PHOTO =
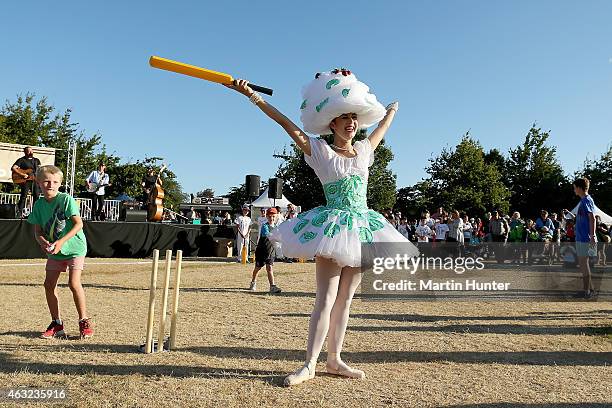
(300, 226)
(375, 225)
(320, 219)
(347, 219)
(307, 236)
(331, 230)
(331, 83)
(365, 235)
(322, 104)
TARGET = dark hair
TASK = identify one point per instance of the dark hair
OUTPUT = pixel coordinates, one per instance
(582, 183)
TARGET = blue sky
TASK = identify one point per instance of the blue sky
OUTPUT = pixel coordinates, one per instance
(492, 68)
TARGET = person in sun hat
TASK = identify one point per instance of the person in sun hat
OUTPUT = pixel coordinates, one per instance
(335, 103)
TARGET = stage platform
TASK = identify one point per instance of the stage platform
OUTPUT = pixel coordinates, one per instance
(120, 239)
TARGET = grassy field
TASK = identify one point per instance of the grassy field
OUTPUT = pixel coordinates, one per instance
(235, 347)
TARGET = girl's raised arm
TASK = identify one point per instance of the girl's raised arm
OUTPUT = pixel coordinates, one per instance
(378, 133)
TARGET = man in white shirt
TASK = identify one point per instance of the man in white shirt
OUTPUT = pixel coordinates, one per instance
(291, 213)
(403, 228)
(430, 222)
(441, 230)
(280, 217)
(243, 222)
(423, 231)
(96, 182)
(467, 229)
(192, 215)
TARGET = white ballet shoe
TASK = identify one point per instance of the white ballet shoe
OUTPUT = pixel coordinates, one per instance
(346, 371)
(302, 374)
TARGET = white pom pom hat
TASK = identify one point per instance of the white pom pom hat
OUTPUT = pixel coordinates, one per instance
(335, 93)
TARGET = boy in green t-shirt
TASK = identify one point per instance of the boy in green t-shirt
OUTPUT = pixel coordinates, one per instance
(58, 229)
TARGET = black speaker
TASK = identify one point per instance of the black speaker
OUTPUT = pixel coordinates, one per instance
(275, 188)
(7, 211)
(253, 184)
(130, 215)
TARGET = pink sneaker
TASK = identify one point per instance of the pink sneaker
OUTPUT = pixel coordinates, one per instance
(86, 328)
(54, 330)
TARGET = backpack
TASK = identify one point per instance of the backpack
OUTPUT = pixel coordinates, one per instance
(516, 233)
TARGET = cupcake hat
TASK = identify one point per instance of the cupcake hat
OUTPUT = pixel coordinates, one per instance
(335, 93)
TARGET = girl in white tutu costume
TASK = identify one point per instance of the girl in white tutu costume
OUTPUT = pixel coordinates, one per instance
(334, 102)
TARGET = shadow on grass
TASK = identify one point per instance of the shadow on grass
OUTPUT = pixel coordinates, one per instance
(245, 290)
(490, 329)
(183, 289)
(587, 315)
(85, 285)
(552, 358)
(540, 358)
(10, 365)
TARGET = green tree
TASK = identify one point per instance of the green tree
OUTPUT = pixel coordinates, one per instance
(300, 183)
(599, 173)
(206, 193)
(460, 178)
(412, 201)
(535, 177)
(382, 183)
(496, 158)
(33, 122)
(127, 179)
(238, 195)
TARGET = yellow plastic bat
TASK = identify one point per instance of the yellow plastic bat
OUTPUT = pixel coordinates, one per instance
(198, 72)
(243, 255)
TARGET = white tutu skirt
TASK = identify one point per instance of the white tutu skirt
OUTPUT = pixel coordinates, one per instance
(334, 233)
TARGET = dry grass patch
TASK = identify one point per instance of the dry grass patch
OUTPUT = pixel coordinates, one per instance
(235, 347)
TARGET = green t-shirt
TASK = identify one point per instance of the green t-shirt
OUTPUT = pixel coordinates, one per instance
(55, 220)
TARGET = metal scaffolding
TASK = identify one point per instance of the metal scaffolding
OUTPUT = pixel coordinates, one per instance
(71, 167)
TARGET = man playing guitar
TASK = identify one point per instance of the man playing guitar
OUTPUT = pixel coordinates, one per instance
(24, 174)
(96, 181)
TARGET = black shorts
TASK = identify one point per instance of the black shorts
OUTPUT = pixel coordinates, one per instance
(261, 262)
(264, 253)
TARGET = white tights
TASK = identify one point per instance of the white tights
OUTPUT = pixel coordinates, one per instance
(335, 289)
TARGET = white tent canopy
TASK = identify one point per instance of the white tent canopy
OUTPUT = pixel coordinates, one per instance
(264, 202)
(605, 218)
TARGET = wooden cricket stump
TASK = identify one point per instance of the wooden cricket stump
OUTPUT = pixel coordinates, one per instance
(150, 346)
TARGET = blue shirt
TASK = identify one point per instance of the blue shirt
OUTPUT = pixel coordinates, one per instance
(586, 206)
(265, 230)
(548, 224)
